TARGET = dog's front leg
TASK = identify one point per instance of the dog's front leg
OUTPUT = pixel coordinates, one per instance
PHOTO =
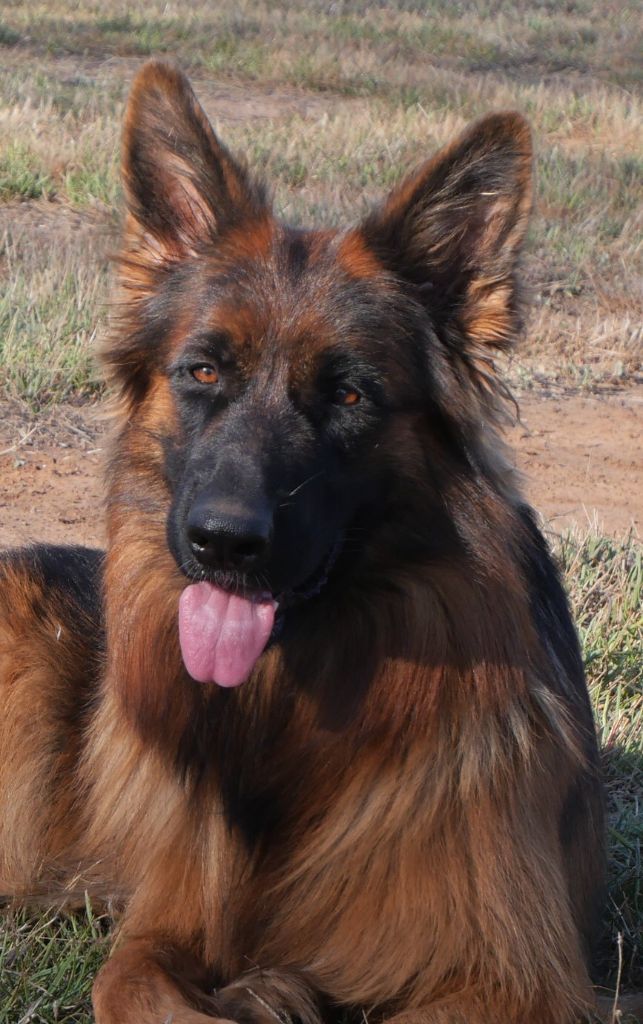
(145, 982)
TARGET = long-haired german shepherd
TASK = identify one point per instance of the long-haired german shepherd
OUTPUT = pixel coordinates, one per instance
(317, 718)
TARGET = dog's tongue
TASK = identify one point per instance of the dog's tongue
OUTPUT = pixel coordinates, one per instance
(222, 634)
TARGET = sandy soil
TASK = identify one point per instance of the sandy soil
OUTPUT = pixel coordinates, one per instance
(582, 458)
(51, 475)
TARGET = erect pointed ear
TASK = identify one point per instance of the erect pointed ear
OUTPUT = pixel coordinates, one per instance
(182, 186)
(454, 230)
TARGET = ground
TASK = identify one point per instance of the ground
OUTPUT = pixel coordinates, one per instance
(332, 102)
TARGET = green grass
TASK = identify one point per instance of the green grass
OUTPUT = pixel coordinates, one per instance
(606, 582)
(46, 966)
(47, 961)
(584, 232)
(20, 175)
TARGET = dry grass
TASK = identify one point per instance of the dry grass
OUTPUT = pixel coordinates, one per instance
(354, 45)
(605, 579)
(48, 317)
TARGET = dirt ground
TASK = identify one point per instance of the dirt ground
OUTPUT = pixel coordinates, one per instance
(581, 456)
(582, 459)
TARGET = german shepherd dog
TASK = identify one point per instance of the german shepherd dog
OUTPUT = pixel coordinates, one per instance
(317, 719)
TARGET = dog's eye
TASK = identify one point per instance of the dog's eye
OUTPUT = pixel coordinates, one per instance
(205, 374)
(346, 396)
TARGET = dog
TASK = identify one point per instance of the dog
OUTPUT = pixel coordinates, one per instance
(317, 719)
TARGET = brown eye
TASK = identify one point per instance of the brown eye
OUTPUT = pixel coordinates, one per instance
(205, 374)
(347, 396)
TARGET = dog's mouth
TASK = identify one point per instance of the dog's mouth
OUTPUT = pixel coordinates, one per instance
(226, 624)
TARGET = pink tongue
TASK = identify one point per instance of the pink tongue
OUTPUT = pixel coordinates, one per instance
(222, 635)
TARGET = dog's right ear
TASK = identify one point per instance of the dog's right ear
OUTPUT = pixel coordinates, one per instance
(182, 186)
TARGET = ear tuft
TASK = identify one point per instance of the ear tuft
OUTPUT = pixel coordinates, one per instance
(454, 231)
(182, 186)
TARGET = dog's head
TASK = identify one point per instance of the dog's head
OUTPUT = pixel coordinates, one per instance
(305, 395)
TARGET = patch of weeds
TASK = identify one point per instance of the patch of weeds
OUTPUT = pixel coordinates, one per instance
(83, 185)
(70, 99)
(8, 36)
(20, 177)
(585, 204)
(232, 53)
(47, 965)
(115, 24)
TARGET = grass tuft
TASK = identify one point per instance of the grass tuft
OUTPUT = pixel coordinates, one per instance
(20, 178)
(47, 964)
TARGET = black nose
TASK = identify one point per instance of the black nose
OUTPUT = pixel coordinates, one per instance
(229, 538)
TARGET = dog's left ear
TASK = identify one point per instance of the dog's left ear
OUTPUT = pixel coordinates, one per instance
(454, 229)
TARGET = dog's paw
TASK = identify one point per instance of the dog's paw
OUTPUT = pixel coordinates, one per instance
(268, 997)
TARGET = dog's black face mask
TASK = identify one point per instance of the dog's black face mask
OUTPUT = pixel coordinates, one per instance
(279, 450)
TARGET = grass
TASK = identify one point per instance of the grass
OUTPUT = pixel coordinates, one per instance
(46, 966)
(48, 319)
(343, 44)
(605, 579)
(47, 961)
(19, 175)
(583, 242)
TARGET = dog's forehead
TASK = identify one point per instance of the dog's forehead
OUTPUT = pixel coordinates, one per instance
(285, 287)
